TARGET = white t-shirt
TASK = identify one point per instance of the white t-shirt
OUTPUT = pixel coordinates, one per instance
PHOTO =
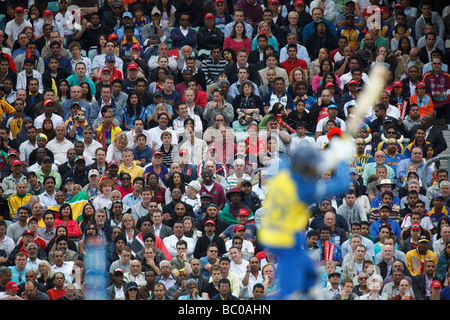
(156, 136)
(12, 29)
(56, 119)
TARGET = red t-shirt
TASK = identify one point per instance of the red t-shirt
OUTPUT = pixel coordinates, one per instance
(54, 293)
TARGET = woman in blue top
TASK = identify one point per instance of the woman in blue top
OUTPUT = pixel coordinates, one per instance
(133, 110)
(263, 27)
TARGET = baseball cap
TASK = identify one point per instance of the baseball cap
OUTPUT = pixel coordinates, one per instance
(219, 1)
(245, 182)
(27, 232)
(353, 82)
(118, 270)
(182, 151)
(274, 1)
(350, 14)
(157, 153)
(206, 195)
(79, 158)
(13, 151)
(436, 284)
(19, 9)
(156, 11)
(109, 57)
(329, 84)
(128, 26)
(333, 106)
(384, 205)
(398, 5)
(423, 238)
(132, 65)
(46, 158)
(352, 170)
(243, 212)
(210, 221)
(46, 102)
(105, 69)
(238, 227)
(11, 285)
(335, 273)
(158, 93)
(135, 46)
(132, 285)
(421, 84)
(439, 195)
(299, 3)
(113, 36)
(127, 14)
(16, 163)
(47, 12)
(398, 84)
(415, 227)
(209, 15)
(93, 172)
(113, 163)
(319, 20)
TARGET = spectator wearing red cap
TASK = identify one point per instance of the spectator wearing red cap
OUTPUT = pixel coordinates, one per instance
(233, 230)
(203, 250)
(209, 36)
(11, 292)
(398, 98)
(15, 26)
(161, 170)
(435, 288)
(127, 41)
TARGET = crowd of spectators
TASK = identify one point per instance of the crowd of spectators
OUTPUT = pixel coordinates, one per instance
(166, 119)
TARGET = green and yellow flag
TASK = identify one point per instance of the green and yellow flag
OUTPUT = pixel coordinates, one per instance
(77, 203)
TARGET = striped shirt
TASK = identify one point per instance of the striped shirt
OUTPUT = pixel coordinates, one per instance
(212, 70)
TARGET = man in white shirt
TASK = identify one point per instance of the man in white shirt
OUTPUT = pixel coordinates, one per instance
(301, 138)
(156, 132)
(251, 277)
(15, 26)
(99, 61)
(61, 265)
(90, 145)
(237, 264)
(178, 234)
(47, 198)
(138, 127)
(48, 114)
(59, 145)
(28, 146)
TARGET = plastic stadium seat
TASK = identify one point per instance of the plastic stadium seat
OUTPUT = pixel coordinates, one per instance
(53, 5)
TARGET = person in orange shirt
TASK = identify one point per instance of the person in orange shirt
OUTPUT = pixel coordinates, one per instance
(422, 99)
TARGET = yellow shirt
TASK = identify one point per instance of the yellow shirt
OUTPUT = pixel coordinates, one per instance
(416, 261)
(134, 171)
(285, 214)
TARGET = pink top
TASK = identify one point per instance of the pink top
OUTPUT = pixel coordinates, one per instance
(315, 83)
(236, 45)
